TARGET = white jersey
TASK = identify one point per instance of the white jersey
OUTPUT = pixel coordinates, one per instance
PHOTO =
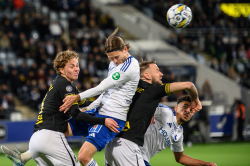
(164, 133)
(125, 77)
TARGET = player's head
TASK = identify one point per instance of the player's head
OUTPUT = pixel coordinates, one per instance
(66, 64)
(116, 49)
(150, 72)
(183, 109)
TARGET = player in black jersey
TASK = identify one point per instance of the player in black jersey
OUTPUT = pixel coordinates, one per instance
(145, 101)
(53, 122)
(48, 145)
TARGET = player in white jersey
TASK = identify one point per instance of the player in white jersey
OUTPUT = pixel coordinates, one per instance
(167, 131)
(117, 91)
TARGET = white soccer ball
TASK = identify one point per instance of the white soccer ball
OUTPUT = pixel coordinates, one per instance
(179, 16)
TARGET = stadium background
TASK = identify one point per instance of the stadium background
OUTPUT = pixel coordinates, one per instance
(213, 52)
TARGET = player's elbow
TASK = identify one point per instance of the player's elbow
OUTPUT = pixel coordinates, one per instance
(177, 159)
(189, 85)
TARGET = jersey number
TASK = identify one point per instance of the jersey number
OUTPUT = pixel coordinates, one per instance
(40, 116)
(127, 126)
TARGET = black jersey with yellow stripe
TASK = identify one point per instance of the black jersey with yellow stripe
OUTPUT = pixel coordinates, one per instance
(49, 116)
(142, 109)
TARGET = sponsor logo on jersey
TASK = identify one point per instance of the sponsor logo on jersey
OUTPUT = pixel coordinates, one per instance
(165, 135)
(69, 88)
(116, 76)
(95, 128)
(170, 125)
(92, 134)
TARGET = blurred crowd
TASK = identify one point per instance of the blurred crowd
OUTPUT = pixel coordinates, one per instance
(32, 33)
(211, 32)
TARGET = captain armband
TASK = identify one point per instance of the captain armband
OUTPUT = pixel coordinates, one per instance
(167, 89)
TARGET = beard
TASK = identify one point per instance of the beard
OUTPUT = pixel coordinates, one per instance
(154, 81)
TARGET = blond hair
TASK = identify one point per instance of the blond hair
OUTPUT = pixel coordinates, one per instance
(62, 58)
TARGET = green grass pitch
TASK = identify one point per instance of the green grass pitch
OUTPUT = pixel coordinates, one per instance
(223, 154)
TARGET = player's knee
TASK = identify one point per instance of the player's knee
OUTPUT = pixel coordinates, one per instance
(84, 158)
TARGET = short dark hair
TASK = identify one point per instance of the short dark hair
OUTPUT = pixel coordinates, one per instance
(184, 98)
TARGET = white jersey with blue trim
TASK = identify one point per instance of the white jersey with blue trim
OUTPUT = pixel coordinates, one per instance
(164, 133)
(116, 100)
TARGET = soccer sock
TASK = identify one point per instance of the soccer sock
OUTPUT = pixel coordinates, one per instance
(25, 157)
(92, 163)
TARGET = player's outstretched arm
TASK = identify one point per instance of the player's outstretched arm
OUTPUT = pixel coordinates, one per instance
(106, 84)
(83, 117)
(181, 158)
(176, 87)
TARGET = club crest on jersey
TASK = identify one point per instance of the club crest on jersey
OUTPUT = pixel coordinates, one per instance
(116, 76)
(95, 128)
(69, 88)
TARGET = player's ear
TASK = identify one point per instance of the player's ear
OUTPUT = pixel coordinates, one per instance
(147, 76)
(125, 49)
(61, 70)
(175, 107)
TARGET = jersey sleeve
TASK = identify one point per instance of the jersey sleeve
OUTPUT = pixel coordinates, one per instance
(96, 103)
(116, 79)
(84, 103)
(177, 146)
(161, 90)
(77, 115)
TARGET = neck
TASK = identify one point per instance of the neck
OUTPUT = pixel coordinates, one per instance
(178, 119)
(148, 81)
(63, 75)
(128, 55)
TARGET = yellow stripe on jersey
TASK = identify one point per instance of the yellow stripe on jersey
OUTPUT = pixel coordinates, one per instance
(73, 95)
(81, 102)
(167, 89)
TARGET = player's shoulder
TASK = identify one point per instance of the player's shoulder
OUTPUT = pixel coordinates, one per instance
(61, 82)
(112, 65)
(166, 110)
(130, 65)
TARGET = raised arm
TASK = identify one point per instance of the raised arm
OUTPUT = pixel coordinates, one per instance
(176, 87)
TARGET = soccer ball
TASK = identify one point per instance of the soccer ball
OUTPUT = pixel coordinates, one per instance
(179, 16)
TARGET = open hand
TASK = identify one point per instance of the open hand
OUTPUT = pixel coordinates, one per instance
(68, 102)
(111, 124)
(210, 164)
